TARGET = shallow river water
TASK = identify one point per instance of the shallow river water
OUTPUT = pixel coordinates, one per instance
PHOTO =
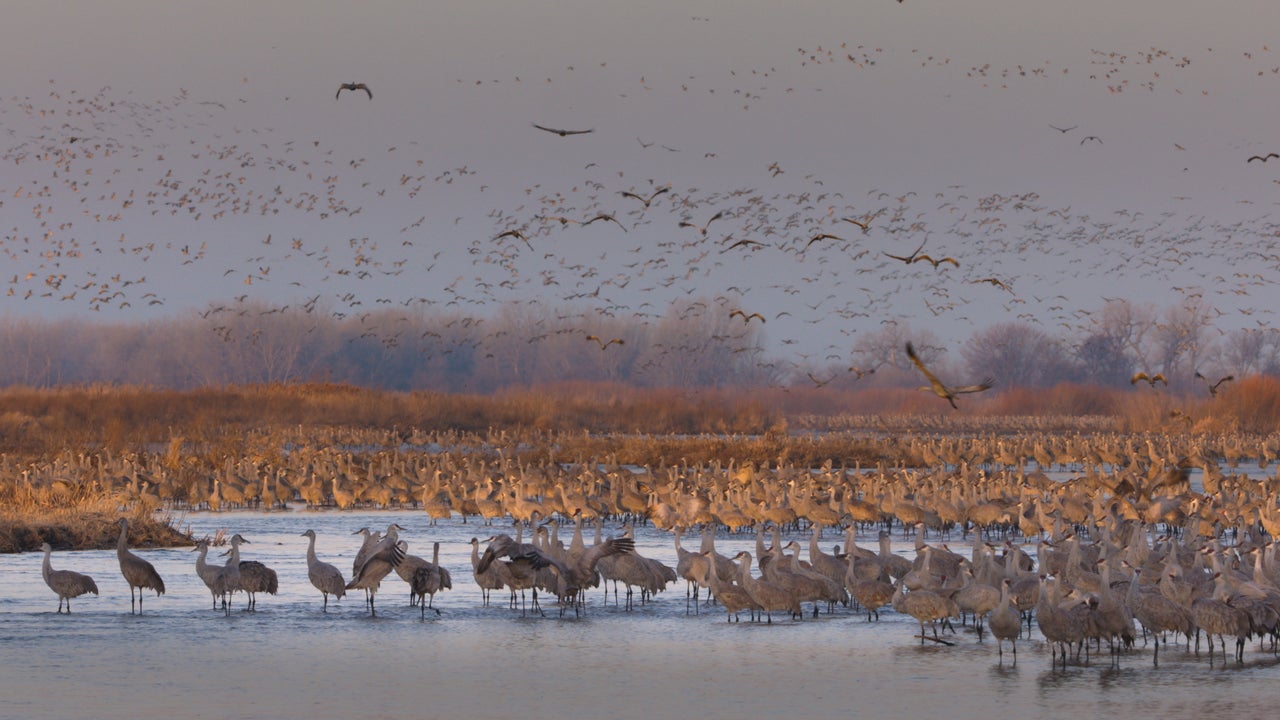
(181, 659)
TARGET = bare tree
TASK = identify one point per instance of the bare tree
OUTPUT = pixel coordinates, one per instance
(1182, 338)
(886, 348)
(1018, 354)
(1127, 324)
(1101, 359)
(1248, 351)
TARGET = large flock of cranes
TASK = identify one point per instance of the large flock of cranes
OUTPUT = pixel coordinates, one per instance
(1109, 557)
(79, 163)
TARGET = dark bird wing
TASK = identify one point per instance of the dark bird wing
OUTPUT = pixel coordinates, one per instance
(742, 242)
(822, 236)
(933, 379)
(561, 132)
(605, 216)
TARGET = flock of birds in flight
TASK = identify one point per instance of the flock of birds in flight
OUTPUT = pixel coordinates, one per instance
(773, 250)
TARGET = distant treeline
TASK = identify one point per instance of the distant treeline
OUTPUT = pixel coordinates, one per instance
(699, 343)
(390, 350)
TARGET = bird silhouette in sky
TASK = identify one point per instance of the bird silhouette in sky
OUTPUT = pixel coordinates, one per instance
(353, 86)
(925, 258)
(908, 259)
(606, 343)
(1263, 158)
(703, 228)
(645, 200)
(563, 133)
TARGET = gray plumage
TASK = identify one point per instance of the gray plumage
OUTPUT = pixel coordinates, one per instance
(495, 577)
(255, 578)
(524, 560)
(429, 579)
(138, 573)
(407, 568)
(381, 559)
(229, 573)
(325, 577)
(767, 596)
(212, 575)
(66, 583)
(1005, 621)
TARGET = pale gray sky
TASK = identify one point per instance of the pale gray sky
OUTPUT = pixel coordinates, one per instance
(209, 113)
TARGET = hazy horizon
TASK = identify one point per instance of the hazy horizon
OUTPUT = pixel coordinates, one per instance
(153, 150)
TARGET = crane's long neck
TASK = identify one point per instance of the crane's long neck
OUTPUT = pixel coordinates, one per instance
(121, 548)
(47, 567)
(311, 551)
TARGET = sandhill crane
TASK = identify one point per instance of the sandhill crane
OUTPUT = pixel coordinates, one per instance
(381, 559)
(561, 132)
(702, 228)
(1113, 617)
(818, 586)
(371, 538)
(325, 577)
(138, 573)
(646, 200)
(768, 596)
(66, 583)
(829, 565)
(495, 576)
(976, 598)
(429, 579)
(1213, 386)
(871, 593)
(924, 606)
(634, 571)
(1216, 617)
(691, 567)
(733, 598)
(211, 575)
(937, 388)
(522, 564)
(255, 578)
(1005, 621)
(1157, 613)
(895, 565)
(409, 565)
(353, 86)
(574, 574)
(1149, 379)
(230, 571)
(1061, 628)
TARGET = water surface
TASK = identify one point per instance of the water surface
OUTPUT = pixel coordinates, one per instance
(288, 659)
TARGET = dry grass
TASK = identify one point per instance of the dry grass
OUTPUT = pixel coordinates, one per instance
(78, 519)
(193, 434)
